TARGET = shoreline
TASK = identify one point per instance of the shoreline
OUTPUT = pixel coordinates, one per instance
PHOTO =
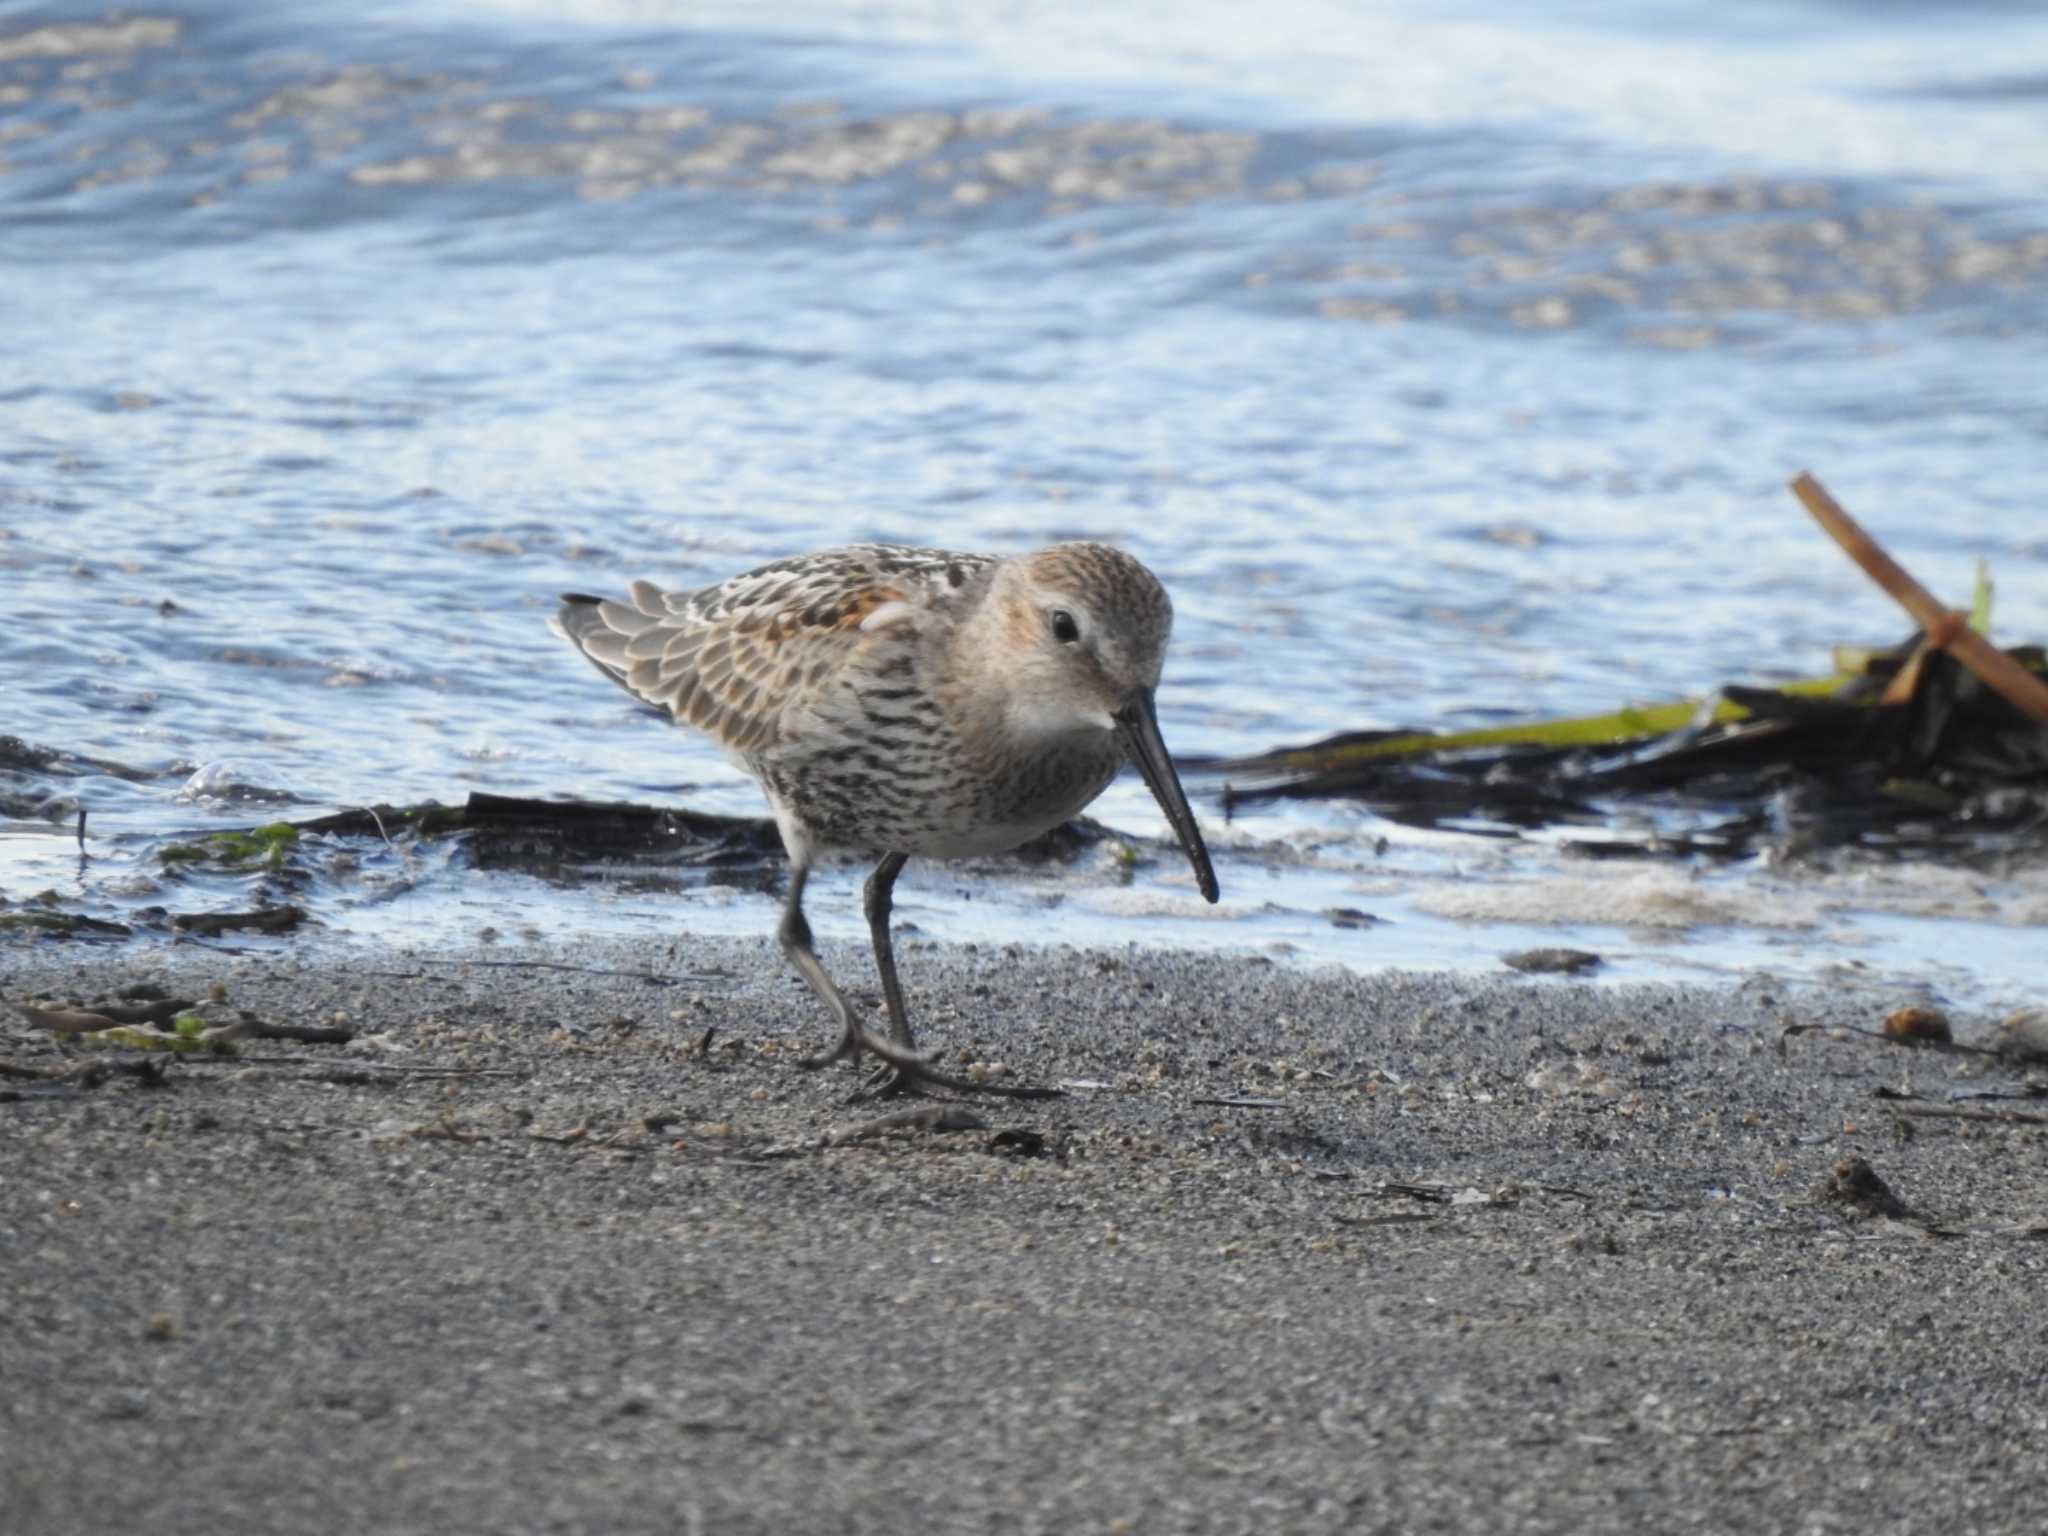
(1451, 1251)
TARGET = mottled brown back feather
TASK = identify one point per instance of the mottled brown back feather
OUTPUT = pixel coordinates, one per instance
(740, 659)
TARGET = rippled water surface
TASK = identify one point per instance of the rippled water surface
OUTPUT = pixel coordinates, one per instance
(1445, 363)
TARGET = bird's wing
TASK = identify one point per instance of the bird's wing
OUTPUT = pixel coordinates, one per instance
(738, 659)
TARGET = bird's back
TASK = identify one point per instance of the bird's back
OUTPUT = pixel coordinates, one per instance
(745, 658)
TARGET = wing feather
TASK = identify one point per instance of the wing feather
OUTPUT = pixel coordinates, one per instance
(622, 620)
(605, 648)
(652, 643)
(743, 659)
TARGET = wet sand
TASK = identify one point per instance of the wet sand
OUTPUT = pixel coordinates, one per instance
(1478, 1254)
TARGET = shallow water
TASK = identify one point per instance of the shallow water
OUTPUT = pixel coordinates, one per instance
(1446, 369)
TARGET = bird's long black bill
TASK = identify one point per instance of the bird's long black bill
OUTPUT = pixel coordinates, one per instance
(1139, 725)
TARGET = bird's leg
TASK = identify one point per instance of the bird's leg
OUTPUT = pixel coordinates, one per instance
(877, 898)
(906, 1071)
(795, 934)
(910, 1068)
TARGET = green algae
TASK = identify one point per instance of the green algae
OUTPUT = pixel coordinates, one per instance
(264, 847)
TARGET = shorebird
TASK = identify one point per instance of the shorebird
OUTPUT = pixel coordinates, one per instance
(900, 702)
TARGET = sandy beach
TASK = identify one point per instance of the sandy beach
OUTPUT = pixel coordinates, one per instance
(1315, 1252)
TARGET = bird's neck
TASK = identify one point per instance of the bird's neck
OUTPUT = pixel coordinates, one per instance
(984, 682)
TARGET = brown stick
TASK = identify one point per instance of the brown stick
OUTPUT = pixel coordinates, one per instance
(1959, 1112)
(1944, 629)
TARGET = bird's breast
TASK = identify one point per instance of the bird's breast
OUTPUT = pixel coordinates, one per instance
(934, 791)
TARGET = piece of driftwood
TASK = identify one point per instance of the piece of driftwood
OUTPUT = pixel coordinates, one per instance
(262, 920)
(1946, 630)
(1389, 1219)
(331, 1069)
(513, 831)
(509, 830)
(161, 1010)
(1887, 1037)
(1552, 961)
(1935, 744)
(62, 925)
(247, 1026)
(652, 978)
(932, 1118)
(90, 1074)
(66, 1021)
(1963, 1112)
(20, 756)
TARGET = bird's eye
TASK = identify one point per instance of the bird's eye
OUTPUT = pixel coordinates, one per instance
(1064, 629)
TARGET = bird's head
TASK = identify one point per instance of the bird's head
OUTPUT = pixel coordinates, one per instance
(1083, 638)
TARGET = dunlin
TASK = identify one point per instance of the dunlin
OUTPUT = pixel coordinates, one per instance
(905, 702)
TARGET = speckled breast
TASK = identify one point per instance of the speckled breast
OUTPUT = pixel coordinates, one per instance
(934, 799)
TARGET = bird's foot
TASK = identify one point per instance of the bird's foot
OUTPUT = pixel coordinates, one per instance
(896, 1079)
(853, 1041)
(849, 1045)
(904, 1072)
